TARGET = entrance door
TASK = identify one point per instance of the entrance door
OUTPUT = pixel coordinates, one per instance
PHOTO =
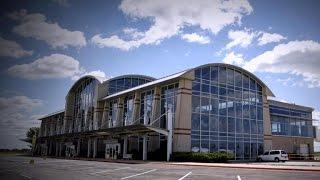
(112, 151)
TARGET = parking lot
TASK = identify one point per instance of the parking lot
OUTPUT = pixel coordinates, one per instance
(46, 169)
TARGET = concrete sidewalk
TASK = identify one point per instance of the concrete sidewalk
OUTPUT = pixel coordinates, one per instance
(290, 165)
(250, 166)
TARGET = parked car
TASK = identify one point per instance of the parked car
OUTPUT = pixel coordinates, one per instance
(274, 155)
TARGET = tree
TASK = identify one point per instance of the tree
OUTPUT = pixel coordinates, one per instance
(29, 135)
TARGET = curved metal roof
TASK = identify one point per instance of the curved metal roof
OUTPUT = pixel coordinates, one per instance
(268, 92)
(131, 76)
(98, 78)
(176, 75)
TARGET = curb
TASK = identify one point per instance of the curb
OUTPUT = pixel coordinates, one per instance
(248, 167)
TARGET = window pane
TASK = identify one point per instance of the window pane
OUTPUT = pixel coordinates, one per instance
(222, 107)
(197, 73)
(214, 74)
(214, 123)
(214, 106)
(246, 126)
(222, 75)
(238, 78)
(195, 121)
(230, 76)
(195, 104)
(222, 124)
(205, 105)
(231, 125)
(204, 122)
(206, 73)
(245, 81)
(239, 126)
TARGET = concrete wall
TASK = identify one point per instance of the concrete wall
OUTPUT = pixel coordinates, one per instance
(266, 122)
(291, 144)
(182, 124)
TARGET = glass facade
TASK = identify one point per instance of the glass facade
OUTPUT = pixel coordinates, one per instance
(146, 101)
(168, 103)
(226, 112)
(290, 122)
(84, 105)
(121, 84)
(128, 110)
(113, 111)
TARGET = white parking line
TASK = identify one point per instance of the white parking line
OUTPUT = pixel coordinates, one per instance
(238, 177)
(185, 175)
(109, 170)
(139, 174)
(28, 177)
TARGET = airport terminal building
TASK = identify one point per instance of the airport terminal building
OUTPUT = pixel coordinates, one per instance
(213, 107)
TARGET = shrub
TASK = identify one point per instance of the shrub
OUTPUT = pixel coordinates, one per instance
(214, 157)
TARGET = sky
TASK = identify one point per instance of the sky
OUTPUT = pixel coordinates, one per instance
(45, 46)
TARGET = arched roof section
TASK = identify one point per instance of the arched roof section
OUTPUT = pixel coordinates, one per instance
(268, 91)
(131, 76)
(99, 79)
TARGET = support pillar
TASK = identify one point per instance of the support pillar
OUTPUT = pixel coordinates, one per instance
(144, 148)
(89, 148)
(60, 149)
(78, 147)
(57, 149)
(125, 144)
(95, 140)
(169, 138)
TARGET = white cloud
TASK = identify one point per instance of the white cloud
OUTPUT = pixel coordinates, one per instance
(133, 32)
(64, 3)
(299, 58)
(98, 73)
(291, 82)
(53, 66)
(194, 37)
(15, 118)
(232, 58)
(241, 38)
(19, 103)
(316, 115)
(169, 17)
(36, 26)
(266, 38)
(12, 49)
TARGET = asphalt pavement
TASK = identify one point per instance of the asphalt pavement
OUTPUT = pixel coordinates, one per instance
(19, 168)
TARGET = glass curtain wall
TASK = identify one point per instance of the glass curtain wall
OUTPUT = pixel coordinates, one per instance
(290, 122)
(113, 111)
(125, 83)
(146, 106)
(168, 103)
(226, 112)
(128, 110)
(84, 105)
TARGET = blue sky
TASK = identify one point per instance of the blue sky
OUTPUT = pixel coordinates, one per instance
(46, 45)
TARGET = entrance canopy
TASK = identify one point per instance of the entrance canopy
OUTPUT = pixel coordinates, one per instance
(123, 130)
(132, 129)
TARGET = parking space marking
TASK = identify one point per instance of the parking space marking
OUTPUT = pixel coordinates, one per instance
(185, 175)
(139, 174)
(238, 177)
(109, 170)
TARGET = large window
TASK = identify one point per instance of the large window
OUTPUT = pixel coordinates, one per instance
(121, 84)
(146, 107)
(128, 110)
(226, 112)
(168, 103)
(290, 122)
(84, 105)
